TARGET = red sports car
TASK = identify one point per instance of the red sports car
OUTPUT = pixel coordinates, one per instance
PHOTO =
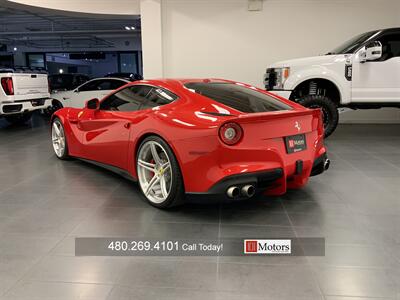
(204, 138)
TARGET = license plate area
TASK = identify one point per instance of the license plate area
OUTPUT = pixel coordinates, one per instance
(295, 143)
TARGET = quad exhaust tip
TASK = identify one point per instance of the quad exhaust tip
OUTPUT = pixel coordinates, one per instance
(233, 192)
(327, 163)
(248, 190)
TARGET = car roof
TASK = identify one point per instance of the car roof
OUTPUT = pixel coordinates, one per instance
(108, 78)
(177, 85)
(179, 81)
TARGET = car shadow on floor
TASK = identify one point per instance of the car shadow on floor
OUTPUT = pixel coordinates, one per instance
(38, 121)
(95, 176)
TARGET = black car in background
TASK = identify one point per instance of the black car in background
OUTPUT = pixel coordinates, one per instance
(66, 82)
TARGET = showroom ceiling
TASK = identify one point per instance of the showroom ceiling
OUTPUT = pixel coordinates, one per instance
(38, 30)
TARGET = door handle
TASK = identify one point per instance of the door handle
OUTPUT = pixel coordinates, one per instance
(127, 125)
(73, 121)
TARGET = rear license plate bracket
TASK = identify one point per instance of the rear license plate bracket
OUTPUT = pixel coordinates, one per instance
(295, 143)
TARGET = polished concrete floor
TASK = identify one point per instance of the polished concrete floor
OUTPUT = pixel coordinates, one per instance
(45, 203)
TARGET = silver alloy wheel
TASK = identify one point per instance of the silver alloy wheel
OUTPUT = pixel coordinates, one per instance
(154, 172)
(58, 138)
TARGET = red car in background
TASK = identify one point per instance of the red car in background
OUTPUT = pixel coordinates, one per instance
(208, 137)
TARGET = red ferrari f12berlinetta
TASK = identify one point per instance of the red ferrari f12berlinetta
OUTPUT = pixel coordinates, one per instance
(199, 138)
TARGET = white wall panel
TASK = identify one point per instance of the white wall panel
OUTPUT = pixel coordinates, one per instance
(152, 38)
(221, 38)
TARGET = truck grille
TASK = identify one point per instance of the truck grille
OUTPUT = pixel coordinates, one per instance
(270, 79)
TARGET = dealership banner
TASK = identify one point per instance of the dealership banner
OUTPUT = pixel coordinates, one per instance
(89, 246)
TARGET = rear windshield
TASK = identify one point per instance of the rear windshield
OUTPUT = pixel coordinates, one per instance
(237, 97)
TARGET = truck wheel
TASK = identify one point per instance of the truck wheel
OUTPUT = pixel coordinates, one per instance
(56, 105)
(18, 119)
(329, 110)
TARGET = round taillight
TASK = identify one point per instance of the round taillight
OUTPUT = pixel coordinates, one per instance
(231, 133)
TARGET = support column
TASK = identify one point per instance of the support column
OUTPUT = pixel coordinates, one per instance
(150, 11)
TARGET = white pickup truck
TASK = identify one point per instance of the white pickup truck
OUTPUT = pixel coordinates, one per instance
(22, 92)
(363, 73)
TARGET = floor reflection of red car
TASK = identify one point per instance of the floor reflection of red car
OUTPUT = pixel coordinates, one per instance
(204, 138)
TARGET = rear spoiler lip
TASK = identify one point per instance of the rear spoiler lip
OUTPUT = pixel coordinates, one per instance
(265, 116)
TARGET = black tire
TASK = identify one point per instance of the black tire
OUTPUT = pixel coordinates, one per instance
(329, 110)
(65, 154)
(18, 119)
(55, 105)
(177, 194)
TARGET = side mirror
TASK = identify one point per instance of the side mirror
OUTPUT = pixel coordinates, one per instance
(93, 104)
(373, 51)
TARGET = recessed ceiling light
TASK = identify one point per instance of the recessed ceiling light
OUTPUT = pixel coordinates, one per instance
(127, 28)
(15, 48)
(133, 27)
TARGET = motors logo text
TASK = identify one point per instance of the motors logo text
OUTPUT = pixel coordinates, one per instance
(267, 246)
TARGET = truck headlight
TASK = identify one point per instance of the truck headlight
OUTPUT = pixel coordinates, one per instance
(275, 78)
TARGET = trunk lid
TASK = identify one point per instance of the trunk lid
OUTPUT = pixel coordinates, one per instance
(270, 125)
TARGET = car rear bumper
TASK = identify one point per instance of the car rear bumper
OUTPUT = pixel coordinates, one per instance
(264, 182)
(259, 180)
(19, 107)
(321, 164)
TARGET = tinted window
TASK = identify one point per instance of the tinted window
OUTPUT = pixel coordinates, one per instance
(238, 97)
(128, 99)
(89, 86)
(158, 97)
(102, 85)
(105, 85)
(116, 84)
(390, 45)
(353, 44)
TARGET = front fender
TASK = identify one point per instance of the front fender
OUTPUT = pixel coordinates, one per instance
(72, 135)
(321, 72)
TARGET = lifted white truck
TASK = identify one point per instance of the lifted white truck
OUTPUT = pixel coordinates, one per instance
(22, 92)
(363, 73)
